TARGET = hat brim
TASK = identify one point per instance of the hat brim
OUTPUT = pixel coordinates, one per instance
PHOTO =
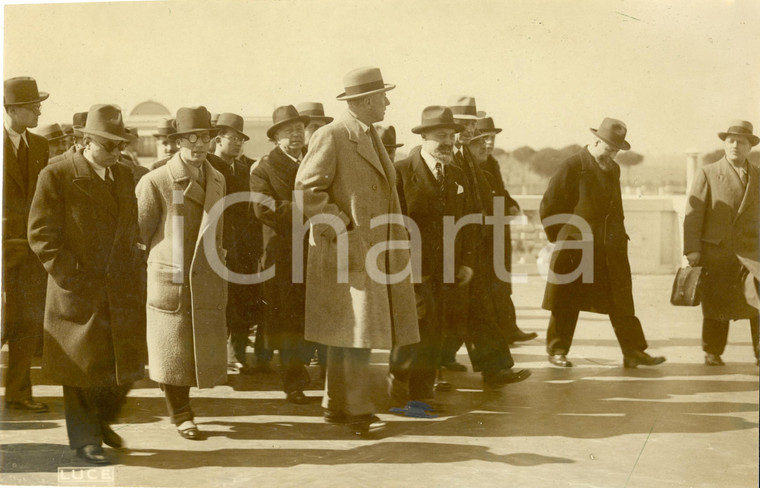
(421, 129)
(303, 118)
(320, 118)
(392, 145)
(466, 117)
(624, 147)
(753, 139)
(493, 131)
(387, 87)
(245, 137)
(101, 133)
(212, 132)
(43, 96)
(57, 138)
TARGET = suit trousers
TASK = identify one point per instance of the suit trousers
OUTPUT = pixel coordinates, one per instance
(18, 378)
(348, 388)
(413, 367)
(559, 336)
(715, 335)
(238, 322)
(178, 403)
(88, 409)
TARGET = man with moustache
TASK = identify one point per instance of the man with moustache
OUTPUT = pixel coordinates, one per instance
(587, 185)
(721, 233)
(317, 118)
(274, 177)
(430, 188)
(352, 303)
(24, 278)
(83, 228)
(242, 236)
(187, 286)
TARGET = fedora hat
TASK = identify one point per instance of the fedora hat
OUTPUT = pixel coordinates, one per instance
(192, 119)
(283, 115)
(740, 128)
(132, 134)
(387, 135)
(437, 117)
(232, 121)
(362, 82)
(463, 107)
(612, 131)
(486, 125)
(52, 132)
(67, 129)
(22, 90)
(165, 128)
(105, 121)
(214, 118)
(313, 110)
(79, 119)
(479, 134)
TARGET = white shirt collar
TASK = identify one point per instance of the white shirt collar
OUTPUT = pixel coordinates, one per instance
(430, 161)
(364, 126)
(291, 157)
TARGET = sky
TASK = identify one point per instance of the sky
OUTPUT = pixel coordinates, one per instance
(676, 72)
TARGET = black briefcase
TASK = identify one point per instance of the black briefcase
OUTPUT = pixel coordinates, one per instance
(687, 287)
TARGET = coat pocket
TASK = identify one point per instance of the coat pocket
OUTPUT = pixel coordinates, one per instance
(163, 293)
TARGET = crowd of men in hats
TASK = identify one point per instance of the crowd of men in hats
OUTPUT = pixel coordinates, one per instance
(172, 266)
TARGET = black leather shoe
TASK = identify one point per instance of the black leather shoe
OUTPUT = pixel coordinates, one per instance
(505, 376)
(365, 424)
(298, 397)
(640, 358)
(454, 366)
(521, 336)
(111, 438)
(713, 360)
(560, 360)
(28, 405)
(93, 454)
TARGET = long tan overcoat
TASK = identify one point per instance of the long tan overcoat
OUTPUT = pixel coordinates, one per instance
(344, 178)
(186, 297)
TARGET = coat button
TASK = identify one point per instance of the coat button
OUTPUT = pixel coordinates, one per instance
(219, 307)
(374, 187)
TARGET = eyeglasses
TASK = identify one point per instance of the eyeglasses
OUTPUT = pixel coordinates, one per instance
(233, 138)
(193, 138)
(112, 146)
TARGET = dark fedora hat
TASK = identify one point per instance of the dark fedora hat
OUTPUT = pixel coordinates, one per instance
(165, 128)
(362, 82)
(232, 121)
(105, 121)
(132, 134)
(192, 119)
(463, 107)
(22, 90)
(740, 128)
(68, 129)
(486, 125)
(79, 119)
(437, 117)
(387, 135)
(612, 131)
(315, 110)
(283, 115)
(52, 132)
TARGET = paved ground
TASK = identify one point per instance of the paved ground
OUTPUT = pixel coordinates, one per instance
(682, 424)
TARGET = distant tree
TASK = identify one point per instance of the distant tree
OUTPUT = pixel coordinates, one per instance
(711, 157)
(500, 153)
(523, 153)
(545, 162)
(629, 159)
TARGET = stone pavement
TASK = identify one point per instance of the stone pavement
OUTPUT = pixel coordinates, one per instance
(681, 424)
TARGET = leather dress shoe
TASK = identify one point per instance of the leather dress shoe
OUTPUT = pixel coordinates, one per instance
(454, 366)
(560, 360)
(521, 336)
(640, 358)
(29, 405)
(298, 397)
(93, 454)
(365, 424)
(713, 360)
(190, 431)
(111, 438)
(505, 376)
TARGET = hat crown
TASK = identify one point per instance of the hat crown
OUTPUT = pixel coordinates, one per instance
(165, 127)
(21, 90)
(461, 105)
(193, 119)
(284, 113)
(311, 108)
(436, 115)
(363, 82)
(79, 119)
(485, 124)
(741, 128)
(105, 120)
(613, 131)
(387, 135)
(51, 131)
(233, 121)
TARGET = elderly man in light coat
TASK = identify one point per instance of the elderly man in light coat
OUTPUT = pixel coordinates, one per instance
(186, 289)
(352, 302)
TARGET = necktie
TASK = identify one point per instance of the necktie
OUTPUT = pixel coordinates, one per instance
(22, 157)
(743, 176)
(439, 177)
(110, 182)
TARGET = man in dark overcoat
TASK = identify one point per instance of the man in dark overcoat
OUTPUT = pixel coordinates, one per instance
(721, 230)
(273, 177)
(83, 228)
(587, 186)
(24, 277)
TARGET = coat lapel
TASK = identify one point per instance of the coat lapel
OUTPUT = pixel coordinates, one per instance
(753, 188)
(83, 179)
(191, 190)
(38, 158)
(421, 175)
(589, 170)
(730, 185)
(363, 143)
(125, 194)
(214, 192)
(11, 164)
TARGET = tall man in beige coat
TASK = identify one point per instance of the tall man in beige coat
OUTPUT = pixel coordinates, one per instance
(353, 304)
(721, 230)
(186, 288)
